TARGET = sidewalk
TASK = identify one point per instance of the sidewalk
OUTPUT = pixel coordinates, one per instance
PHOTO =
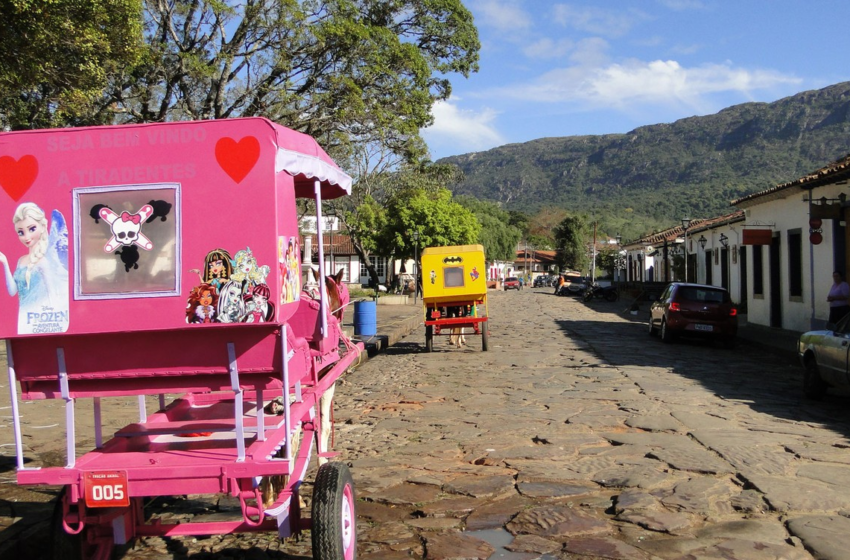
(781, 340)
(394, 322)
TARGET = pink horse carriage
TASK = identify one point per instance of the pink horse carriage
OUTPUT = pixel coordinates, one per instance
(163, 259)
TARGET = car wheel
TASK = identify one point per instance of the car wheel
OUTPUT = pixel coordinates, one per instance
(813, 385)
(652, 330)
(666, 335)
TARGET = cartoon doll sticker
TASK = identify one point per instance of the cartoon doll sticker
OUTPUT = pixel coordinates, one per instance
(247, 272)
(290, 274)
(202, 304)
(231, 306)
(259, 309)
(218, 267)
(40, 279)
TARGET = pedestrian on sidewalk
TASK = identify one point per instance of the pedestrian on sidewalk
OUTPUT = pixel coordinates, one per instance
(838, 298)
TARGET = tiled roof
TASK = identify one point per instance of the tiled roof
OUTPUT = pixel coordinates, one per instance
(835, 171)
(342, 244)
(697, 224)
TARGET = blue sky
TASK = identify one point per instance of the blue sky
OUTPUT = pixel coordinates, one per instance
(551, 68)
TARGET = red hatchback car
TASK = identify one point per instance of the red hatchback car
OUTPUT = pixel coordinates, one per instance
(694, 309)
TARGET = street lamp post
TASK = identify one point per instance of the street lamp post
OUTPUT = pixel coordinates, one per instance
(686, 222)
(416, 266)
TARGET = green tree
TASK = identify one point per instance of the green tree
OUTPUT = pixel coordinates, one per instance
(438, 220)
(58, 56)
(365, 213)
(347, 72)
(571, 242)
(497, 235)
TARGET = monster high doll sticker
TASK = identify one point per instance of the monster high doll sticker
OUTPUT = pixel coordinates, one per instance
(246, 270)
(40, 279)
(258, 308)
(202, 304)
(290, 273)
(231, 305)
(218, 267)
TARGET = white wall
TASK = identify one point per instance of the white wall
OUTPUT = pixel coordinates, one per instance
(792, 213)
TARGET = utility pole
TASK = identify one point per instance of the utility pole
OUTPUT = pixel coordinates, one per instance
(593, 257)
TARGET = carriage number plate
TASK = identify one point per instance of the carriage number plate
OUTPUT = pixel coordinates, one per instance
(106, 489)
(708, 328)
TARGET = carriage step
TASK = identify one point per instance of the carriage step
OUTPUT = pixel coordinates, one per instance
(189, 427)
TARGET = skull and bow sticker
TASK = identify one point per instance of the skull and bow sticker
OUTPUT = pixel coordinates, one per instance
(126, 229)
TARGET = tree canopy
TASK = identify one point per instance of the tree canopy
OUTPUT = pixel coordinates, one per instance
(497, 235)
(58, 56)
(342, 71)
(433, 216)
(571, 239)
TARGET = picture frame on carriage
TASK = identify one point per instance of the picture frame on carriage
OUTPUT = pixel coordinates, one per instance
(127, 241)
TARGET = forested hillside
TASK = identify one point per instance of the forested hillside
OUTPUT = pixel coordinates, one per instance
(654, 175)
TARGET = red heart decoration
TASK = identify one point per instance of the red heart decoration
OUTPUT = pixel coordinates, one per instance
(237, 159)
(16, 177)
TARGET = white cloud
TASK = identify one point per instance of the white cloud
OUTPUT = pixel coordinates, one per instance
(591, 52)
(636, 82)
(680, 5)
(468, 130)
(505, 15)
(547, 48)
(609, 23)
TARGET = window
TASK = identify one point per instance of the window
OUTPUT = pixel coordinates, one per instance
(795, 263)
(758, 271)
(344, 264)
(380, 267)
(453, 277)
(127, 241)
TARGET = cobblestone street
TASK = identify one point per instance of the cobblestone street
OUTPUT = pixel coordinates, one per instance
(577, 435)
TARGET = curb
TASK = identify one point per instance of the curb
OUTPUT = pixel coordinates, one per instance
(381, 341)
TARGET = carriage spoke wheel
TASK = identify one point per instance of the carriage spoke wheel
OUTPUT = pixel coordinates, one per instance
(334, 533)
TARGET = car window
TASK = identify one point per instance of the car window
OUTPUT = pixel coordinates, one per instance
(843, 326)
(703, 295)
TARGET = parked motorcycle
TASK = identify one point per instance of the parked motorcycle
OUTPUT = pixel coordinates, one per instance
(608, 293)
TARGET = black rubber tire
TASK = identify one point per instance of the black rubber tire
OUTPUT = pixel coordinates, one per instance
(587, 296)
(62, 545)
(814, 387)
(612, 295)
(666, 335)
(334, 531)
(429, 339)
(485, 337)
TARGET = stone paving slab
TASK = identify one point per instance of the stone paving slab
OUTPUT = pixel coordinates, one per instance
(582, 436)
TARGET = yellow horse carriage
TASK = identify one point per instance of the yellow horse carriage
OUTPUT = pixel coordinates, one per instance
(454, 293)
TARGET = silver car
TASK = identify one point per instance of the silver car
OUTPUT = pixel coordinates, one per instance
(824, 355)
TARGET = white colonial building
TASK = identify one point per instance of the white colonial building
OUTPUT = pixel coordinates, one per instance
(795, 236)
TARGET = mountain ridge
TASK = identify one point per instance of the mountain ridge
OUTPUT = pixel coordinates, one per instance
(657, 174)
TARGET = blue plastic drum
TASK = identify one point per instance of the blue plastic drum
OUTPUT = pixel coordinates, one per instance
(365, 318)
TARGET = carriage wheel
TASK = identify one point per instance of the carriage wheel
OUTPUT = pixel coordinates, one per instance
(429, 339)
(334, 534)
(485, 336)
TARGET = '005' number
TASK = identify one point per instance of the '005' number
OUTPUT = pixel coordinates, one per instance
(108, 493)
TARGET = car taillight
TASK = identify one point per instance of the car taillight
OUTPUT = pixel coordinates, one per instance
(733, 312)
(675, 307)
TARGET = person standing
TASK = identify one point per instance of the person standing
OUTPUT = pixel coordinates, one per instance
(838, 298)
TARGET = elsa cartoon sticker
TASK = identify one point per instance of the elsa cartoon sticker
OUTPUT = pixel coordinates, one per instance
(40, 279)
